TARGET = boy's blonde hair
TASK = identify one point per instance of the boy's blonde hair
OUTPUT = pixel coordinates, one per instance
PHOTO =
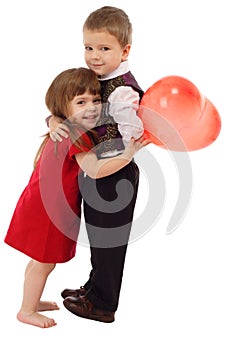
(112, 19)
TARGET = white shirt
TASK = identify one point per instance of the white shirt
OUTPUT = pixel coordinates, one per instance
(123, 106)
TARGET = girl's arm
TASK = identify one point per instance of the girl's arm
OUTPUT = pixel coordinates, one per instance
(97, 168)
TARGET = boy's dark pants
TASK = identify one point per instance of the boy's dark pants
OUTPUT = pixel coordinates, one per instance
(108, 210)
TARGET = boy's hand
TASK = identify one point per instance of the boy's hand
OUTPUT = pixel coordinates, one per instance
(59, 132)
(143, 141)
(57, 129)
(134, 146)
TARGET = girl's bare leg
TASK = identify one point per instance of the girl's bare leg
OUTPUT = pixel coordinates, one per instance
(43, 305)
(47, 306)
(36, 275)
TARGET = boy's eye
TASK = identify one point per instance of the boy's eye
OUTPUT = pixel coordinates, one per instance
(88, 48)
(105, 48)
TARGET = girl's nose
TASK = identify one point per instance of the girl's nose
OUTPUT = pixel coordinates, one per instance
(91, 106)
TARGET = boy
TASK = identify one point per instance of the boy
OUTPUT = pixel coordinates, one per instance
(107, 35)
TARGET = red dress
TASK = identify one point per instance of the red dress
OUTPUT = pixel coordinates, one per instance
(46, 220)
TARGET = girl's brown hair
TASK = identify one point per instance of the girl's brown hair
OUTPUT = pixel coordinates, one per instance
(67, 85)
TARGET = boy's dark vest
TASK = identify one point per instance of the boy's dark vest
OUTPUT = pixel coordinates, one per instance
(108, 137)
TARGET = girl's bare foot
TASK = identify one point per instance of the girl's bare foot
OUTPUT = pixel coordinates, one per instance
(36, 319)
(47, 306)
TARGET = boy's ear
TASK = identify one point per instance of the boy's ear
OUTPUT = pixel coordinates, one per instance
(125, 52)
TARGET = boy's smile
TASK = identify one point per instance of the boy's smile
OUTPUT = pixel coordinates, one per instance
(103, 52)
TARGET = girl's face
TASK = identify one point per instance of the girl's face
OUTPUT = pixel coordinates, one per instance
(85, 110)
(103, 52)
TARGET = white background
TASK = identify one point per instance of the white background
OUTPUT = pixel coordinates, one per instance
(177, 289)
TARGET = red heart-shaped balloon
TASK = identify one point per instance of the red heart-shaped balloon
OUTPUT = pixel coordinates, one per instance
(177, 116)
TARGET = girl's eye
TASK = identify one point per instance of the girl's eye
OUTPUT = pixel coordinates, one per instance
(80, 102)
(88, 48)
(97, 101)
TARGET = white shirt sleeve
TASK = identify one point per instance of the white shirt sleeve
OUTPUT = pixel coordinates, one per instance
(123, 107)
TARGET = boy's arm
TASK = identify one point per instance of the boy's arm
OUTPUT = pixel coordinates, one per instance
(57, 129)
(124, 104)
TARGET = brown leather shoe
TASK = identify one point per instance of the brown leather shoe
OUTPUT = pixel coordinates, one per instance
(82, 307)
(73, 292)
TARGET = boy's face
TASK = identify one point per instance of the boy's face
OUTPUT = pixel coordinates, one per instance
(85, 110)
(103, 52)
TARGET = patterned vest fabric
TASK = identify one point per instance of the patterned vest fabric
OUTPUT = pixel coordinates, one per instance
(108, 137)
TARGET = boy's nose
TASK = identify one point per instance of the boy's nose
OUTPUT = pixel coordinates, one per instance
(95, 54)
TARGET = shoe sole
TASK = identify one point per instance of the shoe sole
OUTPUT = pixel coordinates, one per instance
(93, 317)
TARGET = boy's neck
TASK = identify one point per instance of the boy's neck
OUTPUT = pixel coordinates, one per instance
(121, 69)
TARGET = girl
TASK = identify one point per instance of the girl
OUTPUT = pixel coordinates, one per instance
(46, 219)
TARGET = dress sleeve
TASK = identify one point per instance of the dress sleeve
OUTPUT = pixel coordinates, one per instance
(123, 107)
(86, 147)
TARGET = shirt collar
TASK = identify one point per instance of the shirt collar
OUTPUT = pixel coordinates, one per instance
(121, 69)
